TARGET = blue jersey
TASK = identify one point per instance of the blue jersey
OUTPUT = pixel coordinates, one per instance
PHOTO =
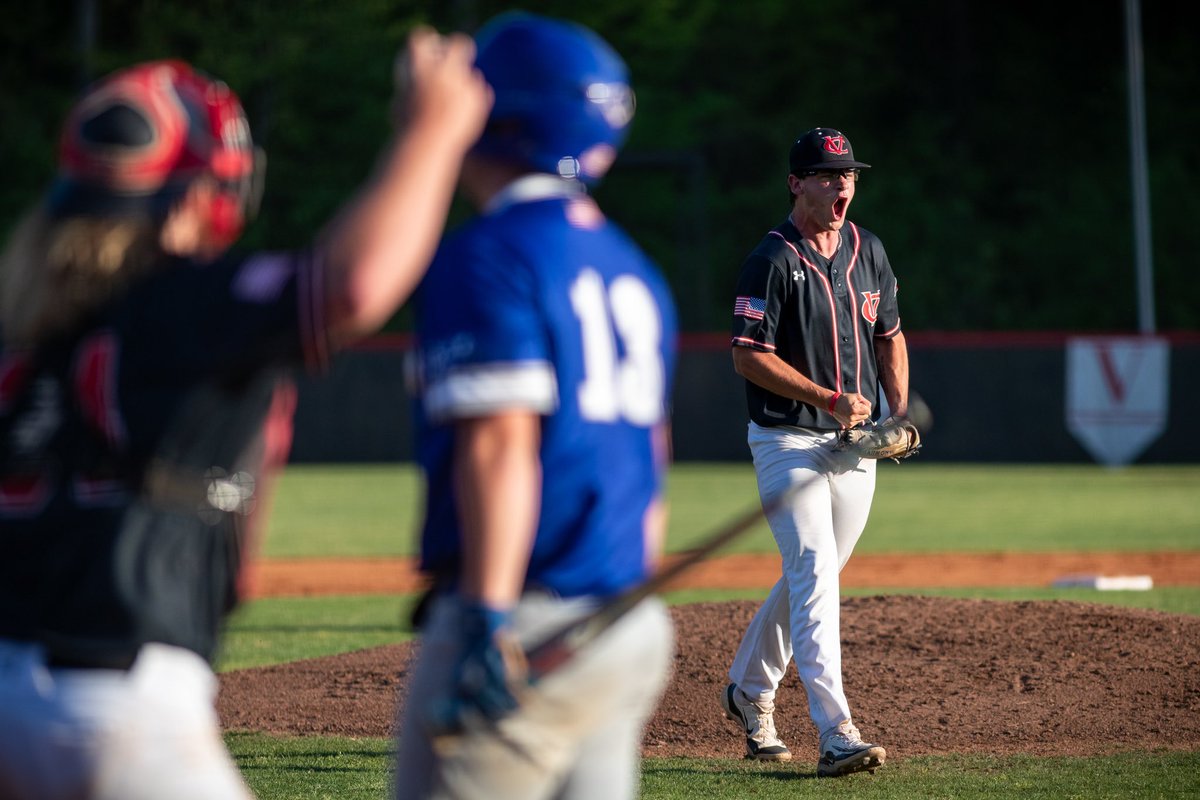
(542, 304)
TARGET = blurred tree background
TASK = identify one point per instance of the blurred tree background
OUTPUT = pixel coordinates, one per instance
(998, 131)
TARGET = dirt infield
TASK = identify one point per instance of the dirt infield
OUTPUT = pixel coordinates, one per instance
(924, 675)
(301, 577)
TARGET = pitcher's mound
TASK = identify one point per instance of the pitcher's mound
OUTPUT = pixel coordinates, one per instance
(923, 675)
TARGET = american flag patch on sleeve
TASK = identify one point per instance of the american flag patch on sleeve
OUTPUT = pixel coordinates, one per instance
(749, 307)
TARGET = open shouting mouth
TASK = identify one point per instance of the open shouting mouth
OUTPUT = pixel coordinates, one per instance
(840, 205)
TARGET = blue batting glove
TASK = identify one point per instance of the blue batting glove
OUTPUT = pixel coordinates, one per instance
(490, 664)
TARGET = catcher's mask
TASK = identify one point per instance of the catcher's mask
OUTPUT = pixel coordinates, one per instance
(137, 139)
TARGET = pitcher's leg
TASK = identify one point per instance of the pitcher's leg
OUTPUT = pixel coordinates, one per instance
(851, 494)
(762, 659)
(782, 459)
(810, 558)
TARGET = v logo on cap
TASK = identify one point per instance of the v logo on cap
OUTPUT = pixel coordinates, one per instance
(836, 145)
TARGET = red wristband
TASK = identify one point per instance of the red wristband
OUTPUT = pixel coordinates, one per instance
(833, 401)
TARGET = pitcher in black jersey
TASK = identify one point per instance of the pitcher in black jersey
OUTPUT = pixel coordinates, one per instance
(816, 335)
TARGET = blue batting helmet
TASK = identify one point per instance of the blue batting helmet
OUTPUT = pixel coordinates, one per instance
(562, 99)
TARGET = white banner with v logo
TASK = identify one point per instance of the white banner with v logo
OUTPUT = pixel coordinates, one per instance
(1117, 394)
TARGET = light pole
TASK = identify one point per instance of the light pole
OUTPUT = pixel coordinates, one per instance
(1139, 169)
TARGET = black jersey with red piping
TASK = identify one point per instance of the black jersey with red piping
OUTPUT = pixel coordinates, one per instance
(820, 315)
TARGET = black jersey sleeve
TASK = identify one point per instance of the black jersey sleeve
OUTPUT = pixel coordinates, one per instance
(759, 298)
(887, 324)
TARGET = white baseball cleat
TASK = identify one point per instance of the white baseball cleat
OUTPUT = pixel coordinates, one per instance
(758, 723)
(843, 752)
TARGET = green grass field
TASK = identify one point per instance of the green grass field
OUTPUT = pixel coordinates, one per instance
(359, 769)
(372, 511)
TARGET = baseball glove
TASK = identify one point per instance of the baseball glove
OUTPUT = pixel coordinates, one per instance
(894, 438)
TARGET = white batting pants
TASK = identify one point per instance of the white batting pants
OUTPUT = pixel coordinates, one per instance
(146, 734)
(815, 533)
(577, 734)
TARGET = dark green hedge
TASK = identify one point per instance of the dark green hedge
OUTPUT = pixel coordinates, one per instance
(997, 131)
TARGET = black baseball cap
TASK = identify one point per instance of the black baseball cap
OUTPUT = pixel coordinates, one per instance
(822, 148)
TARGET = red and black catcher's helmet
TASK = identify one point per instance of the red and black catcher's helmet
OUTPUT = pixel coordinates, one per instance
(138, 137)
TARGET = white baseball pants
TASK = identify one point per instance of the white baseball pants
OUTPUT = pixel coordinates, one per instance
(576, 735)
(148, 733)
(815, 533)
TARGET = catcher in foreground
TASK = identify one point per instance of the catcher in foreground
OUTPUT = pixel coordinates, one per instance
(145, 403)
(895, 438)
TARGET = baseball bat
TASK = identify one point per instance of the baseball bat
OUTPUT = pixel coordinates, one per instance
(550, 653)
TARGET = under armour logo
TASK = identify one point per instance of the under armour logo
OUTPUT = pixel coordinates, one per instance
(836, 145)
(797, 275)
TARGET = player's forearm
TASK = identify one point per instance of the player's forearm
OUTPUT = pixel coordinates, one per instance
(891, 355)
(654, 521)
(378, 254)
(498, 483)
(775, 375)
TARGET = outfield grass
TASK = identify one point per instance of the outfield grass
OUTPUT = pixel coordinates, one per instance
(1024, 508)
(373, 510)
(280, 629)
(287, 768)
(345, 510)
